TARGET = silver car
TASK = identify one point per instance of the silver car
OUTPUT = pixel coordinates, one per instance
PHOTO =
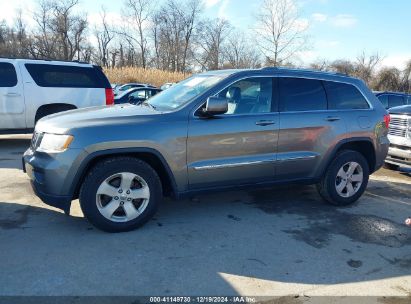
(212, 131)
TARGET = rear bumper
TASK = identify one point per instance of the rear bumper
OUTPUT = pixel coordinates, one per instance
(400, 156)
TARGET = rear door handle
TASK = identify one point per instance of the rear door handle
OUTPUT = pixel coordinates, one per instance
(12, 95)
(332, 118)
(265, 122)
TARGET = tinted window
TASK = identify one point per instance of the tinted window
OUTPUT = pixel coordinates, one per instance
(253, 95)
(46, 75)
(298, 94)
(384, 100)
(8, 76)
(395, 101)
(342, 96)
(409, 100)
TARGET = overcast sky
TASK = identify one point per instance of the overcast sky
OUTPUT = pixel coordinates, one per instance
(339, 28)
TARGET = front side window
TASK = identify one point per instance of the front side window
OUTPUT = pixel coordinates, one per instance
(299, 94)
(64, 76)
(8, 76)
(395, 101)
(253, 95)
(343, 96)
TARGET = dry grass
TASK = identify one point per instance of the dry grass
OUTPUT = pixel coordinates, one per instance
(151, 76)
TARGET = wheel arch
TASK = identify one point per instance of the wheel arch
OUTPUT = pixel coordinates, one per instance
(151, 156)
(54, 108)
(363, 145)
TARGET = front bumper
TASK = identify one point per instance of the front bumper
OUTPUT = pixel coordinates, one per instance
(399, 155)
(50, 177)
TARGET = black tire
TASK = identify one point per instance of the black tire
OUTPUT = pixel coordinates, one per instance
(327, 186)
(103, 170)
(390, 166)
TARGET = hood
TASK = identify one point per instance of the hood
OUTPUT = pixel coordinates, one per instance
(401, 110)
(60, 123)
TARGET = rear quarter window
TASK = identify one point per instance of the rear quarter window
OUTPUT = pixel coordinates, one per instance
(61, 76)
(384, 100)
(8, 76)
(299, 94)
(344, 96)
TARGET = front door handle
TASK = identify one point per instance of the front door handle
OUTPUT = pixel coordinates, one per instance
(265, 122)
(12, 95)
(332, 118)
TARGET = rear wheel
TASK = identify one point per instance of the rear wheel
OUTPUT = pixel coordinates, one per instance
(345, 179)
(120, 194)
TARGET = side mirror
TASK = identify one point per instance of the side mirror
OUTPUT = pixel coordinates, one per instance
(216, 106)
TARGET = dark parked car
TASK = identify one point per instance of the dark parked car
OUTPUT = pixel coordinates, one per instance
(393, 99)
(136, 95)
(212, 131)
(125, 87)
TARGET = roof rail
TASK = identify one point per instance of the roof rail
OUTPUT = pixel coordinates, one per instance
(304, 70)
(45, 59)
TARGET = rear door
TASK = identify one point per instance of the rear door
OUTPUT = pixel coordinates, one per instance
(307, 128)
(12, 108)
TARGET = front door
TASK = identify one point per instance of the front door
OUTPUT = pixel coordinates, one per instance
(12, 109)
(239, 146)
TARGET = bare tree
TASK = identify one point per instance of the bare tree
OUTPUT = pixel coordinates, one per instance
(240, 53)
(406, 78)
(174, 26)
(211, 42)
(388, 79)
(320, 65)
(138, 14)
(104, 36)
(60, 33)
(343, 66)
(281, 33)
(366, 65)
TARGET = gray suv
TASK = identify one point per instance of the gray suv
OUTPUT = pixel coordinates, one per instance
(212, 131)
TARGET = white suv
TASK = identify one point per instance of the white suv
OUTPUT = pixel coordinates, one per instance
(32, 89)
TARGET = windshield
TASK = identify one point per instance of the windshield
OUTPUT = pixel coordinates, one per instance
(184, 91)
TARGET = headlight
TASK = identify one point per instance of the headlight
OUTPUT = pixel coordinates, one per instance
(54, 143)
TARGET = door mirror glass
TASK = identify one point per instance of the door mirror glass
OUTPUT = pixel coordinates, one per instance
(216, 106)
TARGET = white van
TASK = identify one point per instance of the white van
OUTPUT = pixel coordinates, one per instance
(32, 89)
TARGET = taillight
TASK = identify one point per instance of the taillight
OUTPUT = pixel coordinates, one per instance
(109, 97)
(387, 119)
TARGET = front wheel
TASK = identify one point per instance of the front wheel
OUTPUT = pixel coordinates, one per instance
(120, 194)
(345, 179)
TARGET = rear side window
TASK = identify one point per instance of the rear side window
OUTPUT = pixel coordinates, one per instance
(8, 76)
(395, 101)
(299, 94)
(62, 76)
(343, 96)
